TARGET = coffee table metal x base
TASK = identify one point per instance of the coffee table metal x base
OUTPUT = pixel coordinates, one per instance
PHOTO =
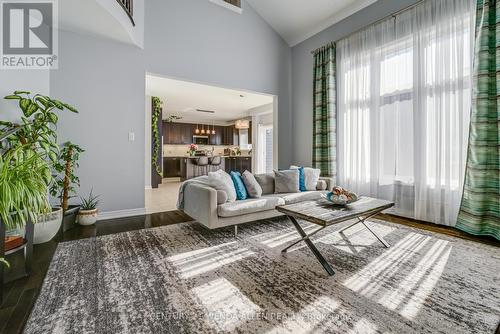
(307, 239)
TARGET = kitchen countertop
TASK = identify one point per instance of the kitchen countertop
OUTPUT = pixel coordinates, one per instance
(222, 156)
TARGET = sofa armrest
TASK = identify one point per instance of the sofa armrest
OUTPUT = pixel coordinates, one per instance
(200, 203)
(330, 182)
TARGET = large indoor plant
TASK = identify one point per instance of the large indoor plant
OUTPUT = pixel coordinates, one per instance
(35, 136)
(65, 181)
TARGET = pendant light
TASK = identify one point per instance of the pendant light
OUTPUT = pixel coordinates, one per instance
(202, 129)
(213, 128)
(197, 131)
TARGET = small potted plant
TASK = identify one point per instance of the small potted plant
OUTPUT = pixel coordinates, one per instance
(192, 149)
(88, 210)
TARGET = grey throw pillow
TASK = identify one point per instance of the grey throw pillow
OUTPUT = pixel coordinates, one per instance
(220, 180)
(254, 189)
(321, 185)
(286, 181)
(311, 177)
(221, 197)
(266, 182)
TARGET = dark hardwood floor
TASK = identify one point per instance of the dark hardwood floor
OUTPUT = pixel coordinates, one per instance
(20, 295)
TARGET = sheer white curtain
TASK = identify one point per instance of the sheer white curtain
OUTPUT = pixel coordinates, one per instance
(404, 106)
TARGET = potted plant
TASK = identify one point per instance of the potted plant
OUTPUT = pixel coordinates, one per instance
(192, 149)
(88, 209)
(65, 182)
(25, 177)
(36, 137)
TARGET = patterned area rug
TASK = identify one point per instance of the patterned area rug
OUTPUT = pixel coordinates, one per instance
(186, 279)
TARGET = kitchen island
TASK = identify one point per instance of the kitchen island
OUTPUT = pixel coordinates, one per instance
(184, 168)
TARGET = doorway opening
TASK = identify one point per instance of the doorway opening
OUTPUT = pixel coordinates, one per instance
(203, 128)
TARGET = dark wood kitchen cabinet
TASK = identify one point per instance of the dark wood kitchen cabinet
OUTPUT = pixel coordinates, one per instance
(178, 133)
(231, 136)
(182, 134)
(245, 164)
(216, 139)
(171, 167)
(238, 164)
(250, 133)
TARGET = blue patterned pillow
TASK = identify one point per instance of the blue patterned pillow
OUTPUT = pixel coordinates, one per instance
(241, 191)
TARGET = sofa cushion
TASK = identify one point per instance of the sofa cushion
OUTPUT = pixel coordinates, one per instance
(292, 198)
(310, 177)
(266, 182)
(221, 197)
(220, 180)
(253, 187)
(251, 205)
(321, 185)
(286, 181)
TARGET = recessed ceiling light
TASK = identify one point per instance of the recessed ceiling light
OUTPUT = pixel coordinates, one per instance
(241, 95)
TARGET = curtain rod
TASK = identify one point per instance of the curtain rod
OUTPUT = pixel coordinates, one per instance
(373, 23)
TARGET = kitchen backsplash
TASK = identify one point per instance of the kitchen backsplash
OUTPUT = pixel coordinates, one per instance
(181, 150)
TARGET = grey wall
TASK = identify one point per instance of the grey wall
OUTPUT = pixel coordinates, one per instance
(36, 81)
(302, 70)
(105, 81)
(186, 39)
(203, 42)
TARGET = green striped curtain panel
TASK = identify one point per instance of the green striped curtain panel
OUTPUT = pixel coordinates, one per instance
(324, 122)
(480, 209)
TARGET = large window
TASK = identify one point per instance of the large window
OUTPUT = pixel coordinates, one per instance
(404, 106)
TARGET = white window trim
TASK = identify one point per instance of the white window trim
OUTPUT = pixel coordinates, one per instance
(228, 6)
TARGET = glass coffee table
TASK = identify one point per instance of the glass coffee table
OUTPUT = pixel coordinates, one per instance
(325, 214)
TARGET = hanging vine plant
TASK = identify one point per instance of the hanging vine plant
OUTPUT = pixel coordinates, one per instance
(156, 137)
(155, 133)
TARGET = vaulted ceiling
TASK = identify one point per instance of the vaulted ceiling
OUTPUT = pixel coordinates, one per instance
(297, 20)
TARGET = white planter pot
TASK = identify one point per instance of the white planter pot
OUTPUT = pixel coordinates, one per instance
(47, 226)
(87, 217)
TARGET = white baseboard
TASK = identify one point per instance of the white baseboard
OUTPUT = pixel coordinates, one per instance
(148, 187)
(121, 213)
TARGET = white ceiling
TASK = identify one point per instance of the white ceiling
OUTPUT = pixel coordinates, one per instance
(297, 20)
(181, 98)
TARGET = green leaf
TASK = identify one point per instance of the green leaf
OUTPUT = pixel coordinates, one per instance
(70, 108)
(59, 105)
(32, 108)
(24, 104)
(12, 97)
(19, 92)
(2, 260)
(53, 156)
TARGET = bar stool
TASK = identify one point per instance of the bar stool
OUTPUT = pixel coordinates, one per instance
(200, 166)
(215, 163)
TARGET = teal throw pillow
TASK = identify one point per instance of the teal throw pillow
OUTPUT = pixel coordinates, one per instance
(239, 186)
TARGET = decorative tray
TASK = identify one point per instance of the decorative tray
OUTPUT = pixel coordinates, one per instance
(340, 196)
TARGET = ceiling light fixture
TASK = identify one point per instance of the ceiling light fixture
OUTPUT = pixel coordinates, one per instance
(202, 129)
(213, 128)
(197, 131)
(242, 124)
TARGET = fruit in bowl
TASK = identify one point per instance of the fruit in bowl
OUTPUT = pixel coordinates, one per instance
(341, 196)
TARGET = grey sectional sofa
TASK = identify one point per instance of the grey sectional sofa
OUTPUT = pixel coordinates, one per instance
(200, 202)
